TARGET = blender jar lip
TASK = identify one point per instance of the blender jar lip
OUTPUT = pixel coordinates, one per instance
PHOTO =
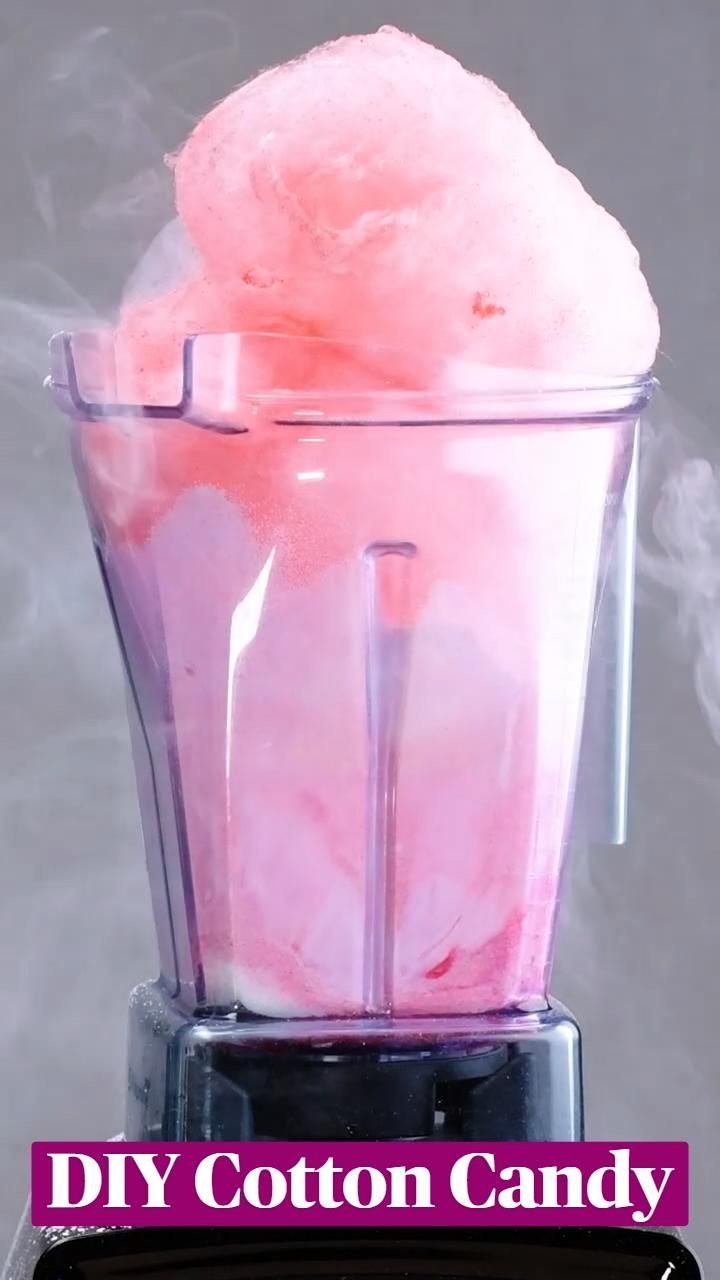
(513, 396)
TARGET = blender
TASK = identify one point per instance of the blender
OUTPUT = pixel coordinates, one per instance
(360, 629)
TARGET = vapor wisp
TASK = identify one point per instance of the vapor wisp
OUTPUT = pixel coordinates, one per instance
(679, 540)
(85, 191)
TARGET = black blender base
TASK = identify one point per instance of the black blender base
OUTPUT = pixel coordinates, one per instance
(509, 1077)
(380, 1253)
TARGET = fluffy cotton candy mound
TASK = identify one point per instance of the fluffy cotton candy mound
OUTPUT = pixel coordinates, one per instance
(376, 190)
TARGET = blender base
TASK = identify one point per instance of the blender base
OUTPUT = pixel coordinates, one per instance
(503, 1077)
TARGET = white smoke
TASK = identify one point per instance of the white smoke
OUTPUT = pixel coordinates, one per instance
(85, 191)
(679, 540)
(168, 261)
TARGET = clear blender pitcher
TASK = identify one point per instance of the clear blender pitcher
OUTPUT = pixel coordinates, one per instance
(356, 628)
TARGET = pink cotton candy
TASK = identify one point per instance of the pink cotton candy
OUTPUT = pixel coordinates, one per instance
(375, 190)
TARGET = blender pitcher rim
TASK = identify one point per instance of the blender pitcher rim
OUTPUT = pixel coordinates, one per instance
(576, 399)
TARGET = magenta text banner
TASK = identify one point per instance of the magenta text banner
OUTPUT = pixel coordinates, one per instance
(350, 1184)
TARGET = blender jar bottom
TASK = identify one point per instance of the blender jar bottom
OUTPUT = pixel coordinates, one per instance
(509, 1077)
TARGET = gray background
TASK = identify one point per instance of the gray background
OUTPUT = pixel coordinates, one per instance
(625, 93)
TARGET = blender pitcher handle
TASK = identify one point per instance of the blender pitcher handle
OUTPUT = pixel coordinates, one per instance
(601, 810)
